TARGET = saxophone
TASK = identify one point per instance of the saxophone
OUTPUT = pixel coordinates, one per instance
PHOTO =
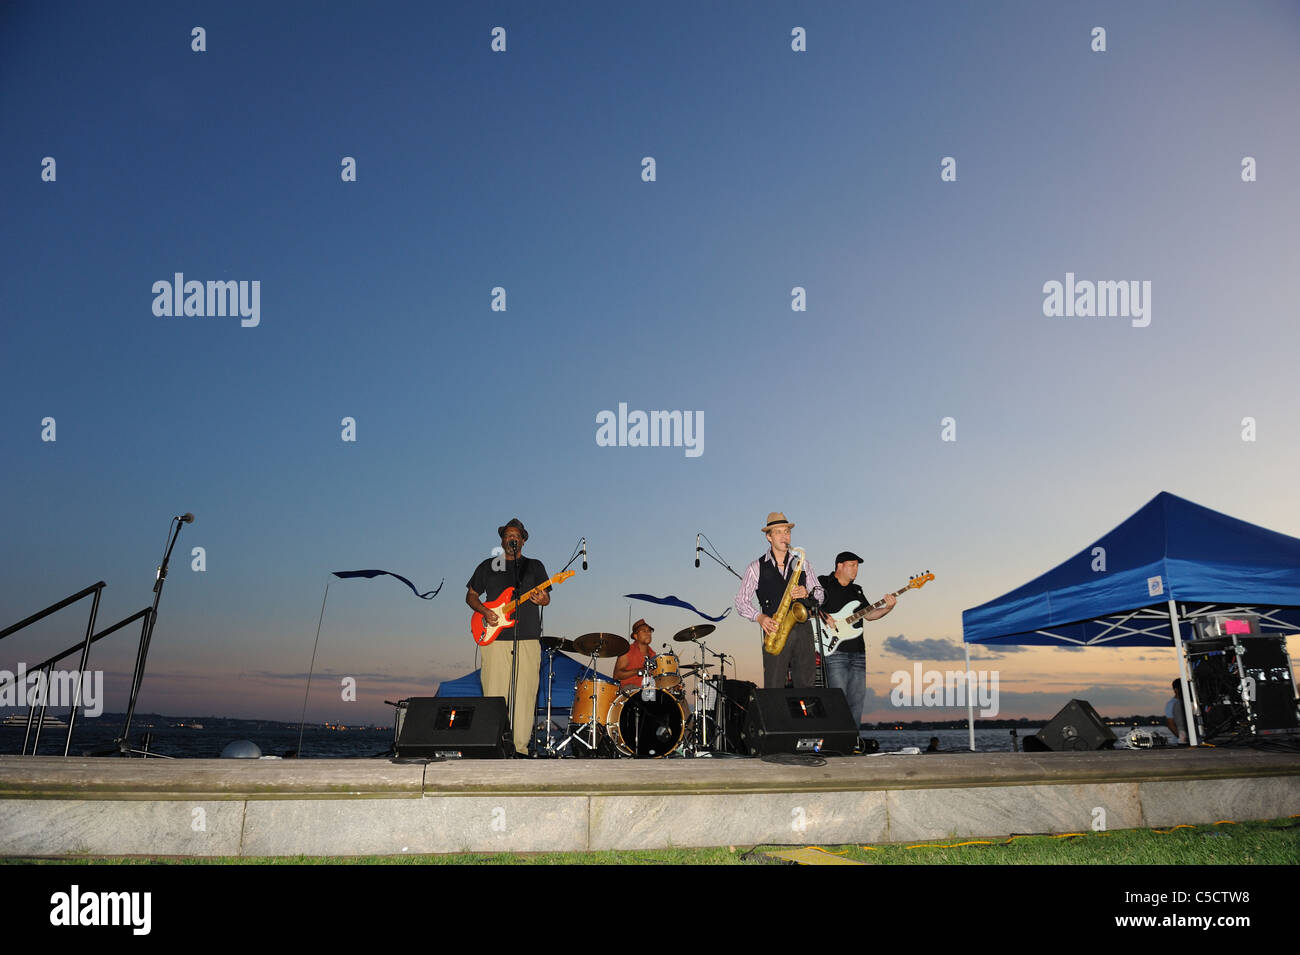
(788, 613)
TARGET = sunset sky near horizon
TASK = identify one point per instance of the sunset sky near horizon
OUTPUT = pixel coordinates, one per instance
(523, 170)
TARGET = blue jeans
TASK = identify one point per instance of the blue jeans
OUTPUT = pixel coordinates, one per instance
(848, 671)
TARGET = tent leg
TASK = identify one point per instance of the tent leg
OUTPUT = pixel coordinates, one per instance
(1183, 674)
(970, 698)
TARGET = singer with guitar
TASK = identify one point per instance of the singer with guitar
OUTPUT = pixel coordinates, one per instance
(846, 668)
(492, 578)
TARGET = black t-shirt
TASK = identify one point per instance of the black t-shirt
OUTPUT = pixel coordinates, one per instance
(490, 584)
(836, 597)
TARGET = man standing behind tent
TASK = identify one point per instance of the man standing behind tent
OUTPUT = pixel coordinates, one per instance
(1175, 718)
(491, 578)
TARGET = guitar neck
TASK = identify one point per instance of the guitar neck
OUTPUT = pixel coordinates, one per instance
(510, 607)
(855, 617)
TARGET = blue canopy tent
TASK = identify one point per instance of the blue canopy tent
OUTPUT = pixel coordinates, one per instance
(1171, 560)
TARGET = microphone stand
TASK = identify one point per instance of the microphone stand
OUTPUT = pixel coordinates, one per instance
(514, 646)
(514, 656)
(723, 703)
(717, 560)
(815, 612)
(579, 551)
(137, 677)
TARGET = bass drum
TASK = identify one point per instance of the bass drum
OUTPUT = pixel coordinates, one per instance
(649, 729)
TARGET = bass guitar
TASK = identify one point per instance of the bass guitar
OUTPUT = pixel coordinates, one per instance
(842, 620)
(505, 607)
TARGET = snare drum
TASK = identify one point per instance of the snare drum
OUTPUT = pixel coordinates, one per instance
(664, 670)
(641, 728)
(592, 698)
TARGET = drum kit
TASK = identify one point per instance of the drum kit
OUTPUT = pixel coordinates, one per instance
(655, 718)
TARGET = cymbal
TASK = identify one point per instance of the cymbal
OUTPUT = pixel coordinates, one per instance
(601, 644)
(695, 666)
(692, 633)
(556, 643)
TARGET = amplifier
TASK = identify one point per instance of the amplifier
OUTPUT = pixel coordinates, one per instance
(454, 727)
(1077, 727)
(800, 720)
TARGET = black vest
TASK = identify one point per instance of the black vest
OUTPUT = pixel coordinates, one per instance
(771, 585)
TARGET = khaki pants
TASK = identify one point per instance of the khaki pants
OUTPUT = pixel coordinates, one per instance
(496, 682)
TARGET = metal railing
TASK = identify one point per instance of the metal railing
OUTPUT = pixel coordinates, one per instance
(40, 696)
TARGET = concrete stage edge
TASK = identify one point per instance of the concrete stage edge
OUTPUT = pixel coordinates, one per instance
(341, 807)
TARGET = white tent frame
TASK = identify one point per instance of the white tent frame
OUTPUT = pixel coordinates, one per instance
(1119, 626)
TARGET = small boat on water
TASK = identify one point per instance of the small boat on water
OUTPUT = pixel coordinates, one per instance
(17, 719)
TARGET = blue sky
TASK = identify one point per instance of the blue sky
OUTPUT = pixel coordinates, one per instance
(522, 170)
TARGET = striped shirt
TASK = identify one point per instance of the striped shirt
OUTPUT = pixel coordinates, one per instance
(749, 585)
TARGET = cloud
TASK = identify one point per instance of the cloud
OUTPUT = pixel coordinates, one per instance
(937, 648)
(931, 649)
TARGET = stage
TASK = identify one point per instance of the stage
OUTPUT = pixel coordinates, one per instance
(51, 806)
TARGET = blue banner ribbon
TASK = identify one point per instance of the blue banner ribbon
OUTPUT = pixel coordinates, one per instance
(379, 573)
(671, 601)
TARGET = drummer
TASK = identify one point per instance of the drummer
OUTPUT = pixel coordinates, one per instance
(627, 668)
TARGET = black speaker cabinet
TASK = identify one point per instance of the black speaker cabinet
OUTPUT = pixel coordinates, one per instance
(1077, 727)
(729, 716)
(469, 727)
(1266, 703)
(800, 720)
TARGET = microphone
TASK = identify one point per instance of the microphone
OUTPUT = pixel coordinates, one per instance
(512, 544)
(584, 553)
(697, 550)
(186, 518)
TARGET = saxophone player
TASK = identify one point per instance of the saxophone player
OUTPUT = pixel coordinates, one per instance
(768, 579)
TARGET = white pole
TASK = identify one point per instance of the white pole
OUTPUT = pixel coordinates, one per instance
(1183, 674)
(970, 698)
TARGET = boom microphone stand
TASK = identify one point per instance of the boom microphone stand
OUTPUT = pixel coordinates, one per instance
(711, 553)
(123, 747)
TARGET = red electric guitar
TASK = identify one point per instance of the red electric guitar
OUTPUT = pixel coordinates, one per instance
(505, 608)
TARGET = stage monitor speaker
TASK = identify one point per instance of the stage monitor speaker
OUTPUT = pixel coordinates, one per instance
(729, 715)
(1076, 728)
(800, 720)
(454, 727)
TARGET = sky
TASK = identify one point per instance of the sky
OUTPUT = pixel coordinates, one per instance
(919, 171)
